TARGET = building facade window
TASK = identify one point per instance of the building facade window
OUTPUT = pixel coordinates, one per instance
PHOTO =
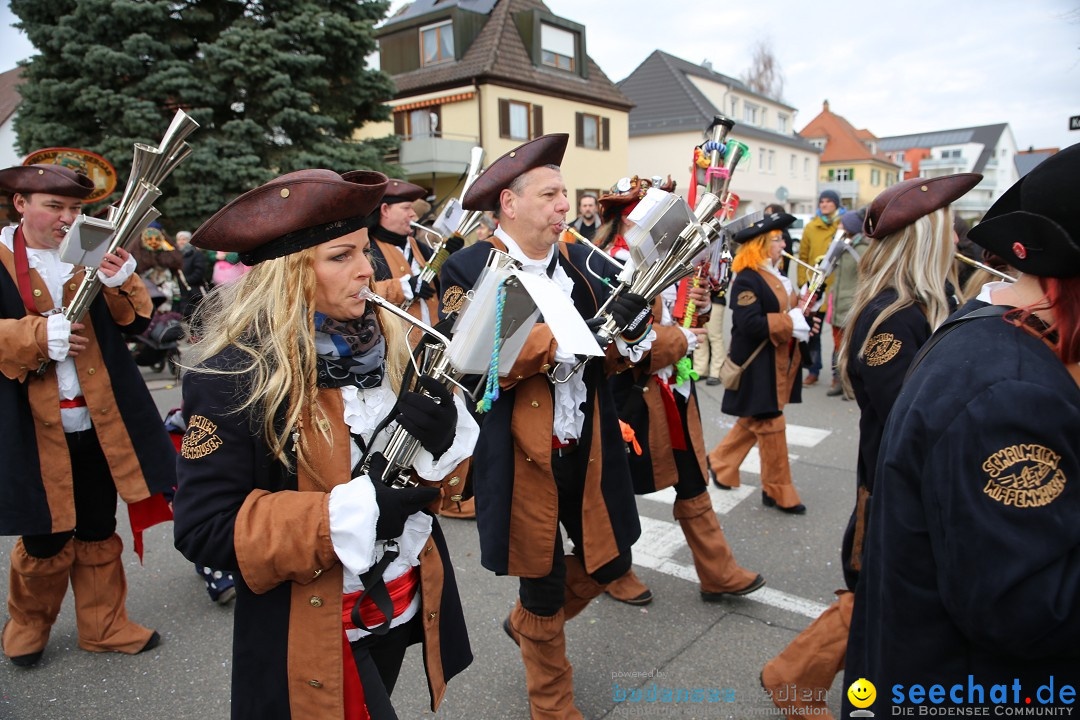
(875, 177)
(437, 43)
(806, 167)
(841, 174)
(750, 113)
(520, 120)
(733, 107)
(890, 178)
(557, 47)
(819, 143)
(793, 165)
(781, 123)
(592, 131)
(771, 164)
(761, 155)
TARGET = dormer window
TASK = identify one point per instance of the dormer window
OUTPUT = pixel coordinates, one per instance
(437, 43)
(557, 47)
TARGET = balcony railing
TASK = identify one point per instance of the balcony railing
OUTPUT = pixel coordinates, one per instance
(440, 154)
(960, 163)
(843, 188)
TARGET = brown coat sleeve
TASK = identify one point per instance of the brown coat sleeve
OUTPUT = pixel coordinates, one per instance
(128, 301)
(668, 348)
(780, 328)
(24, 344)
(283, 536)
(537, 356)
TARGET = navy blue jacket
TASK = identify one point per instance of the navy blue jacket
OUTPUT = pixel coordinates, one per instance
(972, 560)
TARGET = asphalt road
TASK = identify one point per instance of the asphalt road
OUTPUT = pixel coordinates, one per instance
(676, 642)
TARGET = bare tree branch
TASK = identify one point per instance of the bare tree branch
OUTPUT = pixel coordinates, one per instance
(764, 76)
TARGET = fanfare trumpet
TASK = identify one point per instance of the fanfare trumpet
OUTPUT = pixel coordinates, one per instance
(128, 219)
(986, 268)
(447, 245)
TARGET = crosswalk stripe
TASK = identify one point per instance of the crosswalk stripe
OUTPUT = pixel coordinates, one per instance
(660, 540)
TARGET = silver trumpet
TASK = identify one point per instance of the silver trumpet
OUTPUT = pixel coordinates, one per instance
(448, 245)
(401, 450)
(128, 219)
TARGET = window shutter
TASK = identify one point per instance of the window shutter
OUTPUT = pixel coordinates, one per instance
(579, 127)
(538, 121)
(504, 118)
(605, 131)
(831, 173)
(399, 123)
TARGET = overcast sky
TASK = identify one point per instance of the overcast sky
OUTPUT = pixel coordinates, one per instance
(891, 67)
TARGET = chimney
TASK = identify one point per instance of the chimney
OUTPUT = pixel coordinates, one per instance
(707, 64)
(825, 106)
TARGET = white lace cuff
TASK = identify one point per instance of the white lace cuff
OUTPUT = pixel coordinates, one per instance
(126, 270)
(353, 514)
(59, 330)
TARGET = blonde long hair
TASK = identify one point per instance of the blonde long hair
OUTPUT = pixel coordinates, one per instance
(915, 262)
(269, 315)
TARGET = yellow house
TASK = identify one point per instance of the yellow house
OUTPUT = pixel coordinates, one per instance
(494, 74)
(851, 162)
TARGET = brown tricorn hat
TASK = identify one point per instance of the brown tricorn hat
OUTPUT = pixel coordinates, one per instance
(1034, 226)
(903, 203)
(400, 191)
(290, 213)
(485, 191)
(50, 179)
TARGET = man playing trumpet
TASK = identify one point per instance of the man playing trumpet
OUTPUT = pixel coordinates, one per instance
(74, 435)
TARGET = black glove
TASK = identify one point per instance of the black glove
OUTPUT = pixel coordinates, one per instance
(395, 504)
(631, 312)
(423, 290)
(431, 420)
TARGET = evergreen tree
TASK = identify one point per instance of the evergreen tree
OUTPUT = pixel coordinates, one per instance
(277, 85)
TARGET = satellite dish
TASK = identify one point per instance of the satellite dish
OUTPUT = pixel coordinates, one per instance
(782, 193)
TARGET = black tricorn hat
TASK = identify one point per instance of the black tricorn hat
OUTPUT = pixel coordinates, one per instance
(290, 213)
(46, 178)
(1035, 226)
(899, 205)
(773, 221)
(544, 150)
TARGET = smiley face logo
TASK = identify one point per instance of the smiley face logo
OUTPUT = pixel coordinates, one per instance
(862, 693)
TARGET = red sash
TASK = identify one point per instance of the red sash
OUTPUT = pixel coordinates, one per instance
(401, 589)
(674, 420)
(22, 271)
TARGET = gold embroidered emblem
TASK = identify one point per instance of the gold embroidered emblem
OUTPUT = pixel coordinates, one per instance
(881, 348)
(1024, 476)
(199, 440)
(747, 297)
(453, 299)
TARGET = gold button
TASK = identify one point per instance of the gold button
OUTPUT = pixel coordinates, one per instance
(545, 367)
(317, 573)
(40, 172)
(528, 459)
(512, 154)
(535, 404)
(402, 268)
(72, 286)
(432, 615)
(47, 423)
(520, 377)
(644, 390)
(285, 194)
(429, 548)
(315, 601)
(923, 188)
(37, 292)
(454, 481)
(455, 498)
(91, 371)
(312, 683)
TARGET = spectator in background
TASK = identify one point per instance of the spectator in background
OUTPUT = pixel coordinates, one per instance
(816, 237)
(486, 228)
(194, 274)
(788, 242)
(709, 355)
(842, 291)
(588, 220)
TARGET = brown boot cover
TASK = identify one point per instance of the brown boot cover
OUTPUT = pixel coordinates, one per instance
(713, 559)
(100, 587)
(630, 589)
(725, 458)
(548, 675)
(775, 468)
(580, 587)
(799, 677)
(36, 593)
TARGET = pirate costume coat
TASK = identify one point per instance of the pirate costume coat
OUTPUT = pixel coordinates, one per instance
(304, 536)
(71, 438)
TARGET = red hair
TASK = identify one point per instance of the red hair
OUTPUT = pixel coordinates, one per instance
(751, 254)
(1063, 299)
